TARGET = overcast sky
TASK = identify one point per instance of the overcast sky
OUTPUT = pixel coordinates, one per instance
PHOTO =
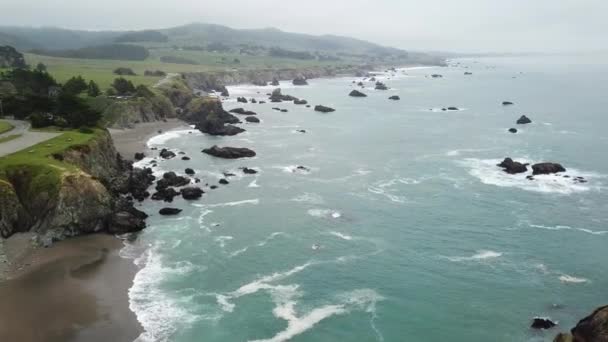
(455, 25)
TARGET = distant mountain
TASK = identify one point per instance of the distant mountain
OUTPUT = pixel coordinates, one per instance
(271, 37)
(51, 38)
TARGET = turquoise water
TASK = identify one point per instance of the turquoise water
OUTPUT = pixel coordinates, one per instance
(417, 235)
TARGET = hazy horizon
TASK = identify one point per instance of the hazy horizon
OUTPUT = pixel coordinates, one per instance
(464, 26)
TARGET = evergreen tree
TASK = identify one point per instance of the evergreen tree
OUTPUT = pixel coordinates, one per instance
(75, 85)
(41, 67)
(123, 86)
(93, 90)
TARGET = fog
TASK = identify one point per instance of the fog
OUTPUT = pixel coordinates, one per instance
(463, 26)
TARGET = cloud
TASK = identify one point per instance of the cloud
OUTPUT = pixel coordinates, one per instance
(465, 25)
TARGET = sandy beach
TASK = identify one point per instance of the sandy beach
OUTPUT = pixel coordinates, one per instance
(133, 140)
(75, 291)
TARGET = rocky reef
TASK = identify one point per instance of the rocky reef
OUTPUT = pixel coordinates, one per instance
(208, 116)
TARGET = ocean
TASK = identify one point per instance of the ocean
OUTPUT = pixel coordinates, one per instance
(400, 227)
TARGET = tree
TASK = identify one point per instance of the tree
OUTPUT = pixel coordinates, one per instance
(123, 86)
(75, 85)
(41, 67)
(76, 112)
(143, 91)
(93, 90)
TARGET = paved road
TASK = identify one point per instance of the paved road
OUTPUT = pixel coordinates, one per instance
(26, 139)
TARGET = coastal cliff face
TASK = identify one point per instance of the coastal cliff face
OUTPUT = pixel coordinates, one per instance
(215, 81)
(58, 202)
(124, 113)
(593, 328)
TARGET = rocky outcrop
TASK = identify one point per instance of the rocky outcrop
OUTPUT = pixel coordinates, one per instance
(513, 167)
(252, 119)
(381, 86)
(208, 116)
(91, 193)
(542, 323)
(300, 81)
(324, 109)
(11, 58)
(356, 93)
(593, 328)
(166, 154)
(192, 193)
(300, 102)
(513, 130)
(547, 168)
(169, 211)
(507, 103)
(523, 120)
(242, 111)
(394, 98)
(229, 152)
(277, 96)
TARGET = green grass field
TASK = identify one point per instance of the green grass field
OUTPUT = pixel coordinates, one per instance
(44, 170)
(101, 71)
(5, 126)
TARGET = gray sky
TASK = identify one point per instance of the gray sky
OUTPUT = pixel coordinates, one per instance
(457, 25)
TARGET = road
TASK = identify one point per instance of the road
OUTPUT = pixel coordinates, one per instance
(27, 138)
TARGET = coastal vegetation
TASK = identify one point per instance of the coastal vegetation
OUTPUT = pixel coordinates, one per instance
(5, 126)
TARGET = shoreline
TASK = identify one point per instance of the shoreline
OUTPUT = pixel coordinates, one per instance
(134, 140)
(84, 276)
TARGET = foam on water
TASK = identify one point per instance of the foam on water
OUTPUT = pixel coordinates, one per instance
(341, 236)
(309, 197)
(572, 280)
(163, 138)
(558, 227)
(487, 171)
(324, 213)
(255, 201)
(159, 314)
(479, 256)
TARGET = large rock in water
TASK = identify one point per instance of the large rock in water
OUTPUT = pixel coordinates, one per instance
(169, 211)
(242, 111)
(394, 98)
(252, 119)
(593, 328)
(513, 167)
(523, 120)
(277, 96)
(542, 323)
(356, 93)
(192, 193)
(208, 116)
(547, 168)
(324, 109)
(300, 81)
(229, 152)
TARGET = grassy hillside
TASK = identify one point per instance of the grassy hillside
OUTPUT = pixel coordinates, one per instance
(5, 126)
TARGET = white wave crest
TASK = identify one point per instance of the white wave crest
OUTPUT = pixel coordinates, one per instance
(341, 236)
(558, 227)
(324, 213)
(572, 280)
(488, 173)
(479, 256)
(163, 138)
(308, 197)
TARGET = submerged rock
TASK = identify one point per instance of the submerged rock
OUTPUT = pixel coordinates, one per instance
(300, 102)
(507, 103)
(547, 168)
(356, 93)
(324, 109)
(453, 108)
(229, 152)
(513, 130)
(241, 99)
(523, 120)
(513, 167)
(169, 211)
(394, 98)
(139, 156)
(165, 194)
(189, 172)
(252, 119)
(224, 181)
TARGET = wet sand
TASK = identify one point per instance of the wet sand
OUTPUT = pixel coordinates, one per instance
(76, 291)
(133, 140)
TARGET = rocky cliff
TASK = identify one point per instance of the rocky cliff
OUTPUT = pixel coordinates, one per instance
(11, 58)
(593, 328)
(83, 189)
(216, 81)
